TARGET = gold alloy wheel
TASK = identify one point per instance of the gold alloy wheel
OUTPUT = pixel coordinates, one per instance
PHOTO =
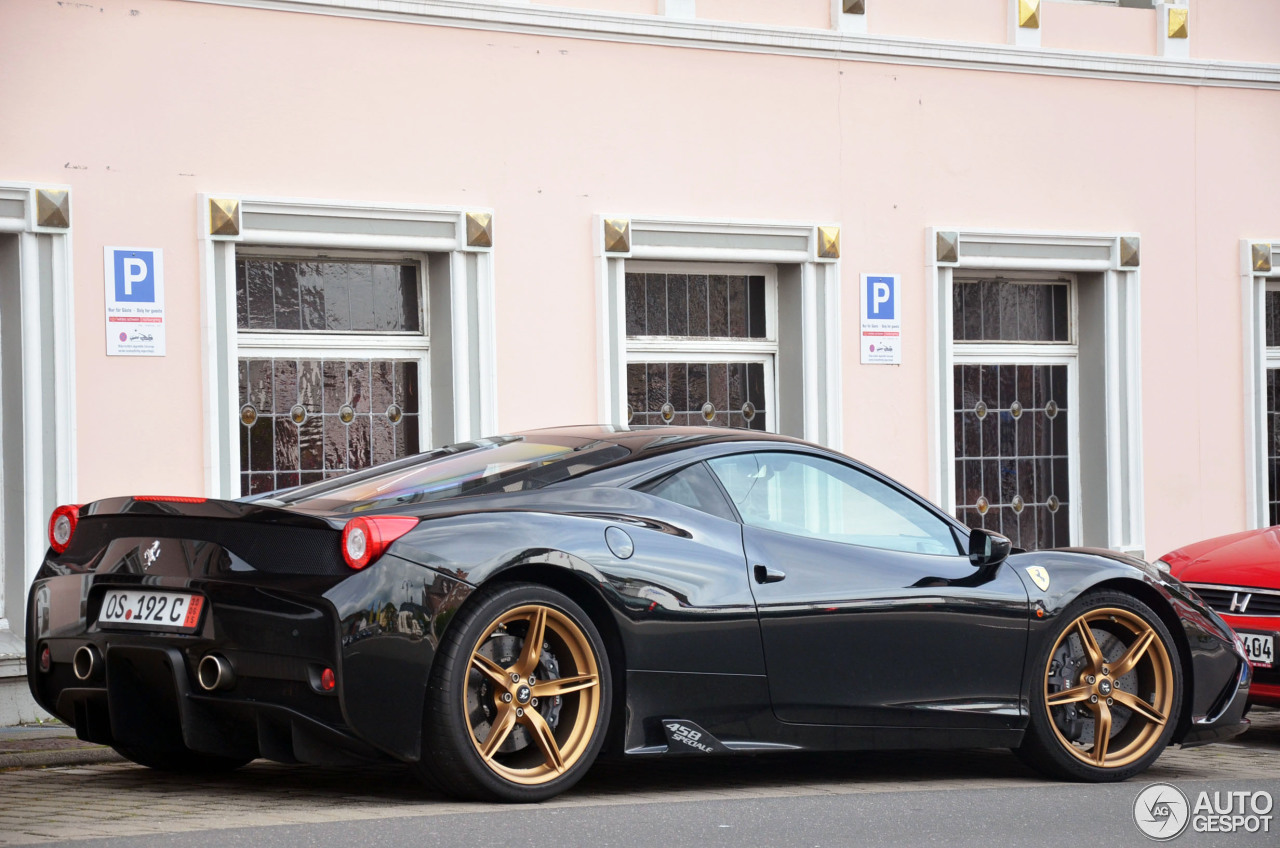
(514, 695)
(1128, 695)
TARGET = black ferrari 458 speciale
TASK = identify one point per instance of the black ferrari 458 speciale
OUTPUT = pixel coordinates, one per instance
(500, 612)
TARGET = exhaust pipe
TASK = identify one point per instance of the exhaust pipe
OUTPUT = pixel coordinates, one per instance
(214, 673)
(87, 662)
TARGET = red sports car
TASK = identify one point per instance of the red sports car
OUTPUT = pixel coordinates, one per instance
(1239, 577)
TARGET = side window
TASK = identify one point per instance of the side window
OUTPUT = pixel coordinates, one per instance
(692, 487)
(810, 496)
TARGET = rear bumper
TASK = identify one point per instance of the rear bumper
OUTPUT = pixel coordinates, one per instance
(146, 701)
(142, 689)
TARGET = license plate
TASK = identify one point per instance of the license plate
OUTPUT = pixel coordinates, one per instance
(1260, 648)
(151, 610)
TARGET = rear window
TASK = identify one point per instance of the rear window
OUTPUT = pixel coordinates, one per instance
(485, 466)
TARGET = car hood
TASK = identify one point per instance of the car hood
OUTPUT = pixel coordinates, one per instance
(1251, 558)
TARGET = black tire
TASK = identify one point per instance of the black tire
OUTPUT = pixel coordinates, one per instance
(180, 762)
(548, 738)
(1074, 691)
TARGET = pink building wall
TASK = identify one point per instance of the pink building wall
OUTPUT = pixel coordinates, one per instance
(155, 101)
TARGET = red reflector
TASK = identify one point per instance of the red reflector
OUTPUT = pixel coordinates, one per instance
(365, 538)
(46, 659)
(62, 526)
(168, 499)
(193, 611)
(327, 680)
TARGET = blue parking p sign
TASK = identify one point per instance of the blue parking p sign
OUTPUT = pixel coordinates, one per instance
(881, 305)
(135, 275)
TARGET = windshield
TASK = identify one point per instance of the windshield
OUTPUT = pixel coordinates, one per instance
(509, 464)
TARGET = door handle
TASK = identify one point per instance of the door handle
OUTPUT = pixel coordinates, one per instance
(765, 574)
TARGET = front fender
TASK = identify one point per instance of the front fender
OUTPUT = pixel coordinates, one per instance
(1212, 661)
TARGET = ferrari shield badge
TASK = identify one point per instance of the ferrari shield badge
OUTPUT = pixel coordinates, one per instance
(1039, 576)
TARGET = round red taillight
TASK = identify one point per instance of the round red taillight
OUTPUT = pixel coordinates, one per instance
(327, 680)
(62, 526)
(355, 543)
(364, 539)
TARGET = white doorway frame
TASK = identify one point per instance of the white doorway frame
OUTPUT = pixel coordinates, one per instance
(46, 373)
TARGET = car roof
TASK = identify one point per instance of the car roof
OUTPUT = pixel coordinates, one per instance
(659, 437)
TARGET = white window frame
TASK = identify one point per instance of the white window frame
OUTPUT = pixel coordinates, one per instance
(1271, 356)
(1035, 353)
(791, 250)
(352, 344)
(458, 397)
(45, 425)
(652, 349)
(1259, 268)
(1114, 256)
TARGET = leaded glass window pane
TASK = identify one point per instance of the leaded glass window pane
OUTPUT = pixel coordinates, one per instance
(327, 296)
(699, 306)
(1272, 309)
(1011, 437)
(1009, 311)
(725, 394)
(304, 420)
(1273, 439)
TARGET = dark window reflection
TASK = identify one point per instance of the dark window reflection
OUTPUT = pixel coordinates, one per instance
(327, 296)
(1008, 311)
(310, 419)
(695, 306)
(1273, 437)
(1011, 440)
(1272, 309)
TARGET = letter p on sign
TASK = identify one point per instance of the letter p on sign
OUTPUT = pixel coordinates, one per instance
(135, 275)
(880, 305)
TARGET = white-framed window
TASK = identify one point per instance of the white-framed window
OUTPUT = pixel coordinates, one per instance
(1272, 359)
(702, 344)
(1016, 401)
(791, 365)
(340, 335)
(333, 366)
(1260, 311)
(1067, 328)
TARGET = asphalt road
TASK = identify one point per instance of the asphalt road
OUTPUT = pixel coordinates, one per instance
(920, 798)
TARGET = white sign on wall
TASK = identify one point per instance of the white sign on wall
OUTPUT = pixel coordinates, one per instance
(135, 301)
(881, 320)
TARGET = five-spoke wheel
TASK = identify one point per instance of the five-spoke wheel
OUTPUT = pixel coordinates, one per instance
(1109, 696)
(519, 697)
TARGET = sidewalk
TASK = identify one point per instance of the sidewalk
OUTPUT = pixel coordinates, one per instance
(49, 744)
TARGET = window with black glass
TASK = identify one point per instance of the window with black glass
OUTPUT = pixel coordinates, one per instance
(327, 296)
(701, 347)
(332, 359)
(1014, 360)
(693, 487)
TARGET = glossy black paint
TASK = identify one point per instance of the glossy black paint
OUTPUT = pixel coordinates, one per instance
(854, 648)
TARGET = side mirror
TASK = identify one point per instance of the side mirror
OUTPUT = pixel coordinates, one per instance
(988, 549)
